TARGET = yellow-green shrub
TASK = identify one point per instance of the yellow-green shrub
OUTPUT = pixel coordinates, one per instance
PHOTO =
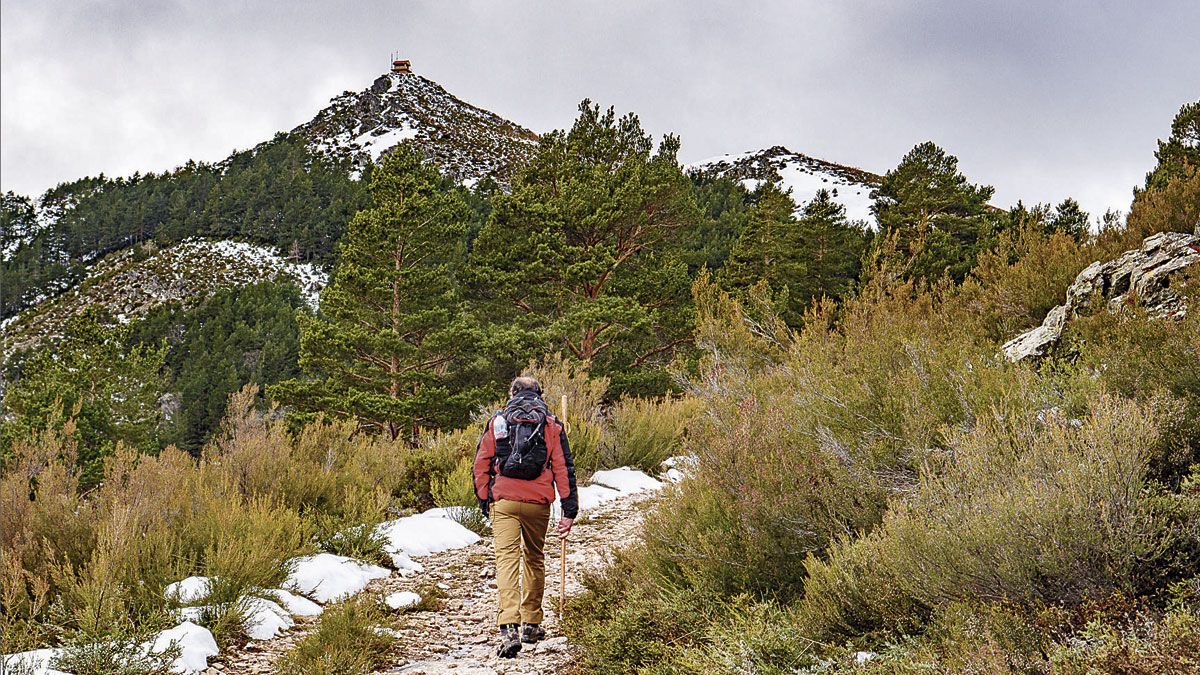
(643, 432)
(456, 492)
(347, 642)
(1030, 510)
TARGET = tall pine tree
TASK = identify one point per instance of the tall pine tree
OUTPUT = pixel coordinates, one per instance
(801, 259)
(392, 343)
(936, 216)
(577, 259)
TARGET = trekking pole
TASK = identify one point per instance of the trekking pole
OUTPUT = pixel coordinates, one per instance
(562, 547)
(562, 584)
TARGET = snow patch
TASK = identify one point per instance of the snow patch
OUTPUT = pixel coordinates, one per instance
(265, 619)
(422, 535)
(381, 139)
(33, 662)
(326, 577)
(402, 599)
(191, 589)
(196, 645)
(296, 605)
(625, 480)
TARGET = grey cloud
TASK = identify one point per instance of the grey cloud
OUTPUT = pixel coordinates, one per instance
(1042, 100)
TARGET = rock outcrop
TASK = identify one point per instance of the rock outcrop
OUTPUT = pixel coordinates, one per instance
(1142, 276)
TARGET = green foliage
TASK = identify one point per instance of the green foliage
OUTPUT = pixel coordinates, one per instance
(724, 210)
(238, 336)
(642, 433)
(940, 220)
(1179, 155)
(110, 391)
(1069, 219)
(347, 642)
(277, 193)
(392, 346)
(578, 258)
(1027, 512)
(800, 259)
(456, 492)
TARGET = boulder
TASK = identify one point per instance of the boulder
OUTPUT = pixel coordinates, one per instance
(1141, 276)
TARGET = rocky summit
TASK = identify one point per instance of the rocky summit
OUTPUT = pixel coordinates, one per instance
(467, 142)
(802, 174)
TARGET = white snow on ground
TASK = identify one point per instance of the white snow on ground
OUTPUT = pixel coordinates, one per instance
(325, 577)
(33, 662)
(609, 485)
(804, 182)
(265, 619)
(376, 144)
(297, 605)
(802, 174)
(625, 480)
(591, 496)
(423, 535)
(196, 645)
(402, 599)
(191, 589)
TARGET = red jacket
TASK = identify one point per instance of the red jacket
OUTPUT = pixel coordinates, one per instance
(491, 486)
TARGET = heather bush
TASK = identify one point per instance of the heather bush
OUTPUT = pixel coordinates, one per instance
(456, 492)
(351, 639)
(1027, 510)
(643, 432)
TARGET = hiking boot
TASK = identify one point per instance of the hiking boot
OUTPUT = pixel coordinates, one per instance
(532, 632)
(510, 641)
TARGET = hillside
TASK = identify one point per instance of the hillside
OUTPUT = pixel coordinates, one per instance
(467, 142)
(802, 174)
(133, 281)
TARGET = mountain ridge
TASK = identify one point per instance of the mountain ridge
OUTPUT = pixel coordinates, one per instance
(468, 143)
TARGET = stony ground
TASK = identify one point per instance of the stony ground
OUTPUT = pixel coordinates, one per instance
(460, 637)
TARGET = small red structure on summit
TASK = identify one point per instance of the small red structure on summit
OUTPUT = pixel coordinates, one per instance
(401, 65)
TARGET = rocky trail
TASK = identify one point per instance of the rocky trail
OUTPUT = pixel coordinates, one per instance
(459, 637)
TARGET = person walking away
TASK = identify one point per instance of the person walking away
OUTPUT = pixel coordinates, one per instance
(523, 457)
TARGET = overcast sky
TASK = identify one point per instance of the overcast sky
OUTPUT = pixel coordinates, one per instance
(1042, 102)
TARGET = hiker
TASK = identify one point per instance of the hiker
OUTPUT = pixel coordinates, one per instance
(522, 457)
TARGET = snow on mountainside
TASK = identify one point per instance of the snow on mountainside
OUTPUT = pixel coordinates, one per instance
(804, 175)
(467, 142)
(131, 282)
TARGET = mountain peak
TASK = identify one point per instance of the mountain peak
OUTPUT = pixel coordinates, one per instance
(467, 142)
(802, 174)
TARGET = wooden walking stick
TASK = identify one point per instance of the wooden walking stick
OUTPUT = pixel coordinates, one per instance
(562, 544)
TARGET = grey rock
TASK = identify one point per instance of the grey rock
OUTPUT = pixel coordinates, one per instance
(554, 644)
(1142, 276)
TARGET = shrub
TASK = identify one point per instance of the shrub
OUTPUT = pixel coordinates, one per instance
(1025, 512)
(351, 531)
(456, 492)
(642, 433)
(347, 641)
(630, 627)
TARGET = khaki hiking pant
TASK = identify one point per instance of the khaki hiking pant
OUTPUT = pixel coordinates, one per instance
(519, 531)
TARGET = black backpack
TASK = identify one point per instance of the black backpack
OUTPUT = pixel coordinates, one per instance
(520, 431)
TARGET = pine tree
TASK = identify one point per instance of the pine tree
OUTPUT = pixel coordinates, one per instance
(766, 248)
(832, 248)
(1069, 219)
(801, 259)
(936, 216)
(392, 342)
(579, 258)
(111, 390)
(1179, 155)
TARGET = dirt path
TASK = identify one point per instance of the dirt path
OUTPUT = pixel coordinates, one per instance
(460, 637)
